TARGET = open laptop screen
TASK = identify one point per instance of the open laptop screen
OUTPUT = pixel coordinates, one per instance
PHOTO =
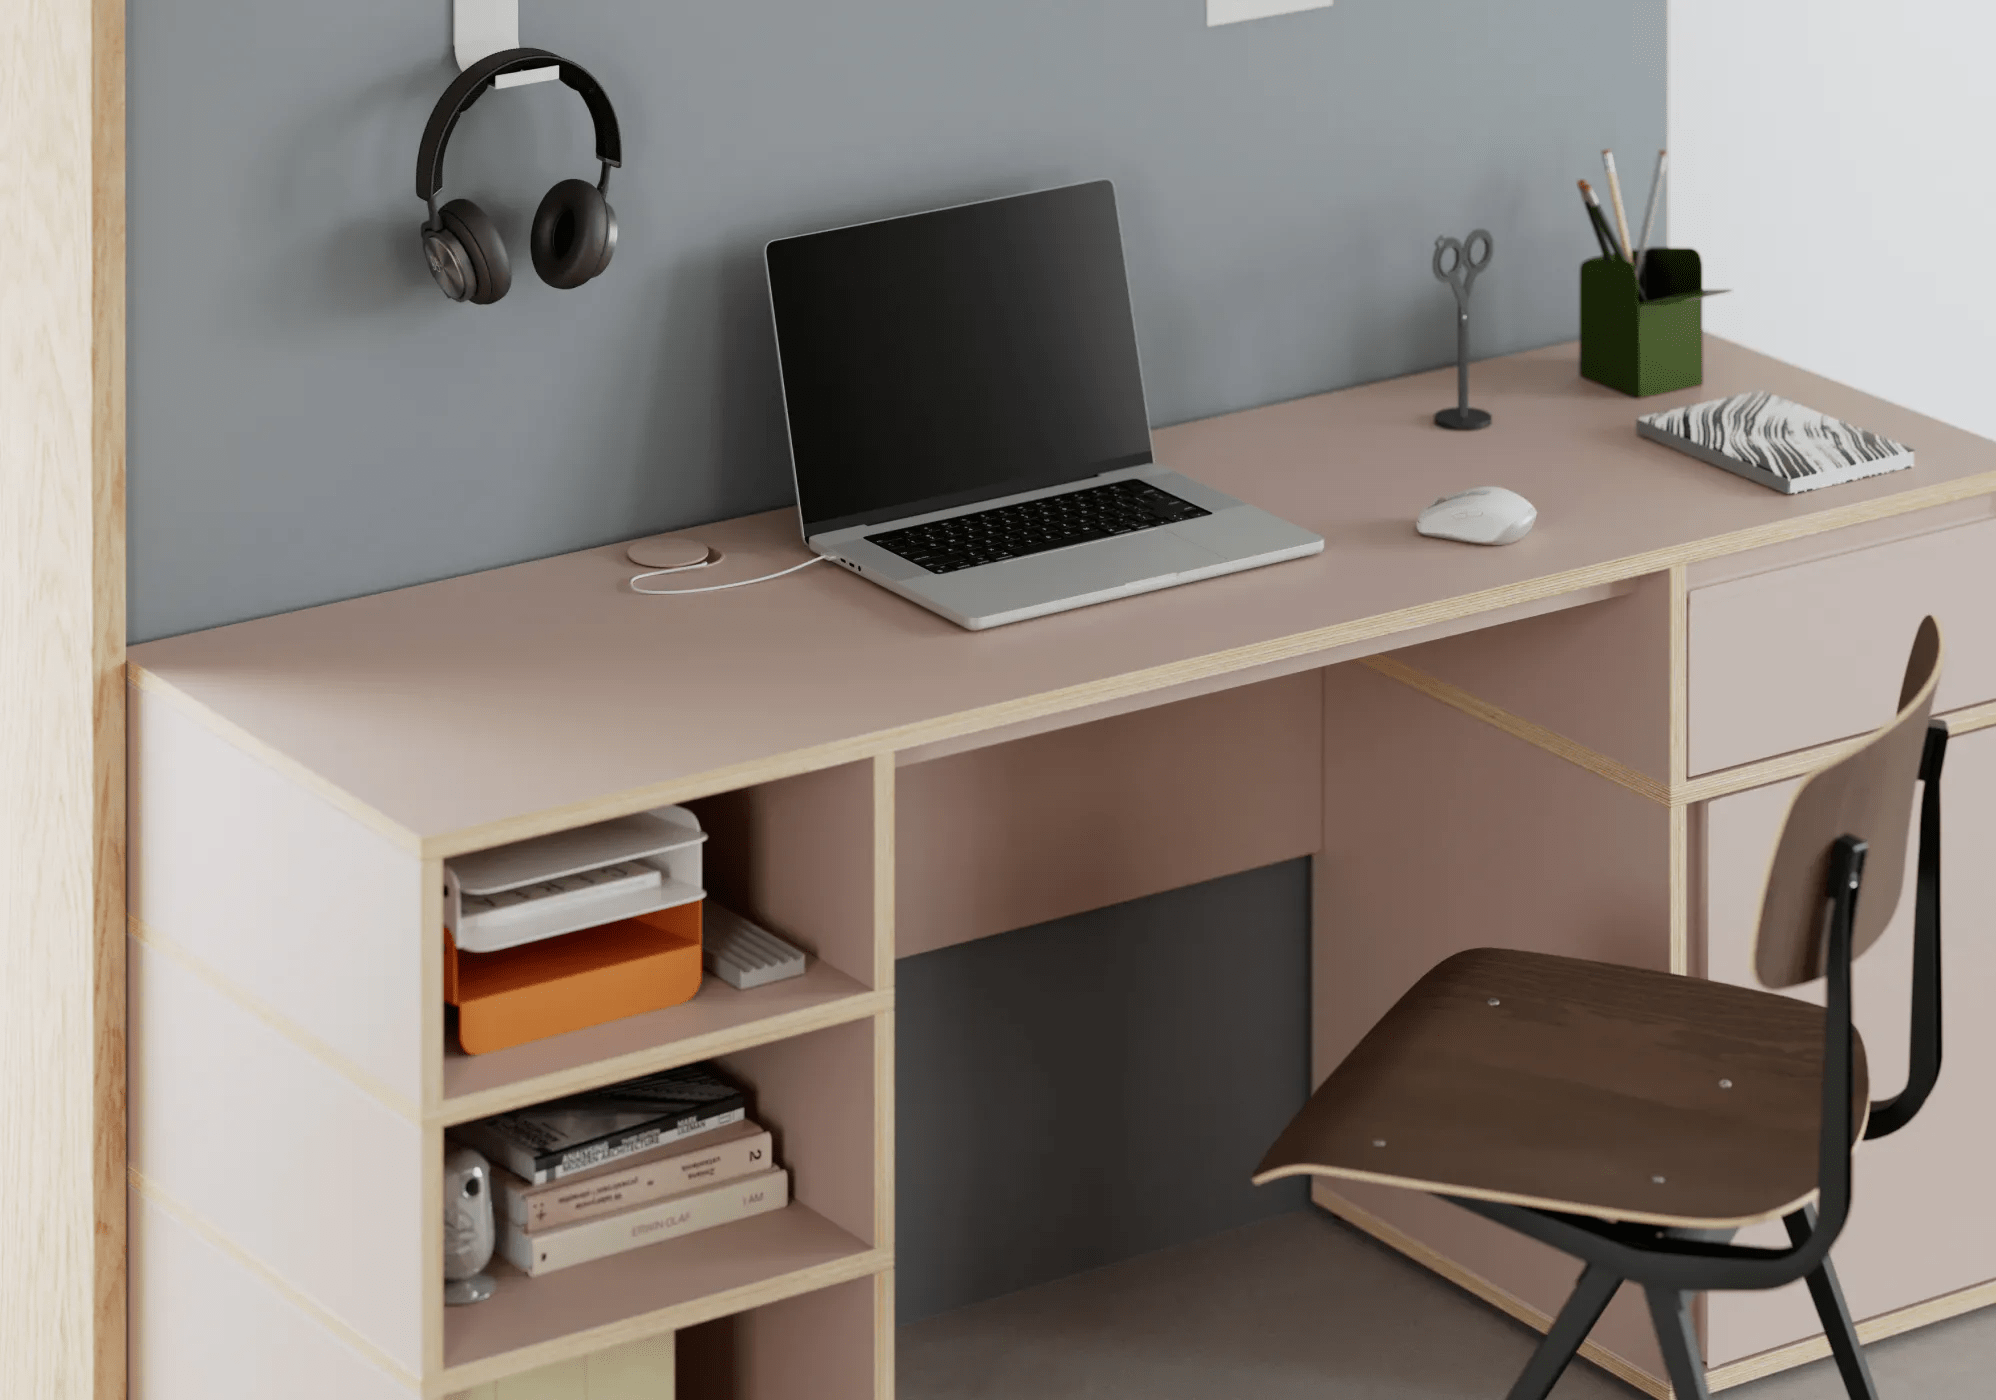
(956, 356)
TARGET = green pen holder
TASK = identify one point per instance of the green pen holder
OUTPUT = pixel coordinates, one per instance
(1649, 344)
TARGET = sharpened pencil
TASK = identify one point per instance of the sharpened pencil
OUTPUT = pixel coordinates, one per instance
(1621, 214)
(1598, 221)
(1649, 215)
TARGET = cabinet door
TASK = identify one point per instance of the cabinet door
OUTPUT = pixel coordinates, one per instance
(1920, 1226)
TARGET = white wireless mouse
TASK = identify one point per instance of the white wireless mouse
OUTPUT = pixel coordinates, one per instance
(1483, 515)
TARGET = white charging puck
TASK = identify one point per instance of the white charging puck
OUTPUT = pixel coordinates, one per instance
(670, 552)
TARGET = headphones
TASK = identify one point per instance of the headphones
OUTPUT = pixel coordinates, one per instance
(575, 230)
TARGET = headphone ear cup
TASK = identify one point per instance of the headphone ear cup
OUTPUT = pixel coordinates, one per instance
(609, 241)
(574, 234)
(492, 271)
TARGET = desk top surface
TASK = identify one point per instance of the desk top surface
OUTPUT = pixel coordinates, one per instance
(484, 708)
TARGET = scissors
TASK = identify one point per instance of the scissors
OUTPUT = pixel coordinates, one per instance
(1461, 272)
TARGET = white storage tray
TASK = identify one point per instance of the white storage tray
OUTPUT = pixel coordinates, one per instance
(666, 840)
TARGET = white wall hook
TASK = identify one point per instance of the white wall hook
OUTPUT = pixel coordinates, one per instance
(481, 27)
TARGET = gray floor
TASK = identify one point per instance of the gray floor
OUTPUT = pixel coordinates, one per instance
(1303, 1308)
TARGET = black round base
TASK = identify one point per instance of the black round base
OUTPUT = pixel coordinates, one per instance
(1462, 419)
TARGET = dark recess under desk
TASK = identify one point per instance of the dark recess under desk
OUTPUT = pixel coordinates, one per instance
(1096, 1087)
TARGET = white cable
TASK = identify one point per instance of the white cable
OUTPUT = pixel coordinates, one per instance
(712, 587)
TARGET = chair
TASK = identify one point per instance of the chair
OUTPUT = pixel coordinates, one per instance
(1637, 1119)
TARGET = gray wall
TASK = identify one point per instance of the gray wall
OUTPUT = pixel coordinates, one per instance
(310, 420)
(1097, 1087)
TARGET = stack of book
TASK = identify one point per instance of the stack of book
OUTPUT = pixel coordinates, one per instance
(625, 1166)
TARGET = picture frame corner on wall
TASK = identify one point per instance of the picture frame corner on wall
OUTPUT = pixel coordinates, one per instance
(1219, 12)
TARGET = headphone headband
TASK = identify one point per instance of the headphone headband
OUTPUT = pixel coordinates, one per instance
(471, 84)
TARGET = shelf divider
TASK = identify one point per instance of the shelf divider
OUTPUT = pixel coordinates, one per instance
(716, 1022)
(534, 1322)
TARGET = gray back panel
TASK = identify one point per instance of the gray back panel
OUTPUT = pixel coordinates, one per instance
(310, 420)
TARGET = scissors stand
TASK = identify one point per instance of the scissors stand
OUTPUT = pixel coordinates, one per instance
(1460, 274)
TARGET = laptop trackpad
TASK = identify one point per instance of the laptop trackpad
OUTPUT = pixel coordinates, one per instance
(1071, 573)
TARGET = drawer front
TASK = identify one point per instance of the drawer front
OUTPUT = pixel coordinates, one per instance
(1918, 1228)
(1813, 653)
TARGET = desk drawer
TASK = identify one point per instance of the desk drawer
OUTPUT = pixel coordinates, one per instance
(1812, 653)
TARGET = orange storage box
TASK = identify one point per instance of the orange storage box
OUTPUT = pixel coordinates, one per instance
(579, 979)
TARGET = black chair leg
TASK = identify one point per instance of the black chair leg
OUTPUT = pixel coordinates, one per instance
(1835, 1315)
(1671, 1312)
(1576, 1319)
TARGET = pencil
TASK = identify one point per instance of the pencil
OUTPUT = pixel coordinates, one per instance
(1597, 222)
(1649, 215)
(1621, 215)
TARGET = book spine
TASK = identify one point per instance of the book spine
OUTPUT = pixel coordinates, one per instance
(687, 1214)
(553, 1166)
(536, 1208)
(1715, 458)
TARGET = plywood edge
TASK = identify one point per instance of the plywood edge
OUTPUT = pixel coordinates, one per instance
(883, 1130)
(1680, 675)
(883, 1334)
(433, 1259)
(1455, 697)
(1801, 527)
(206, 1230)
(1683, 792)
(884, 1096)
(62, 701)
(1473, 1283)
(594, 1074)
(1872, 1329)
(1864, 535)
(431, 972)
(472, 1374)
(109, 626)
(1680, 854)
(1680, 889)
(1545, 1203)
(193, 964)
(884, 877)
(233, 734)
(1760, 773)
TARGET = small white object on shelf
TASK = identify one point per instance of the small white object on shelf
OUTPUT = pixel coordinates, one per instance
(481, 27)
(551, 885)
(743, 954)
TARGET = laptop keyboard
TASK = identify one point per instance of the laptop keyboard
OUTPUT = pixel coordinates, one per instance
(1036, 526)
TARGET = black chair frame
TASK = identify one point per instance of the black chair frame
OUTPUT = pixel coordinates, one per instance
(1671, 1264)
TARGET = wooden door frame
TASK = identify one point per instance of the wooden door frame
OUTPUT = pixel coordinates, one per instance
(62, 719)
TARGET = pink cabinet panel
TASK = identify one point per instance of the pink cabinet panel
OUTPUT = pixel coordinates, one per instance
(1919, 1225)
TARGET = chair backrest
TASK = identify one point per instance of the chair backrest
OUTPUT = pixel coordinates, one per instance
(1867, 794)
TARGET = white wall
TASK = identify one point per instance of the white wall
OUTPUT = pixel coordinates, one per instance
(1834, 161)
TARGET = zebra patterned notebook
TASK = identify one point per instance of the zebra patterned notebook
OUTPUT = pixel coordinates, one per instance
(1776, 442)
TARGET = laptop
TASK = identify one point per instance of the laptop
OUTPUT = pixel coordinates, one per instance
(967, 419)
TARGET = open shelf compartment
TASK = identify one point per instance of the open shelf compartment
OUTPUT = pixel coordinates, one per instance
(797, 856)
(815, 1346)
(819, 1094)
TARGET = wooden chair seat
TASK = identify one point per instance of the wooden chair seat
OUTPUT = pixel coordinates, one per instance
(1561, 1084)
